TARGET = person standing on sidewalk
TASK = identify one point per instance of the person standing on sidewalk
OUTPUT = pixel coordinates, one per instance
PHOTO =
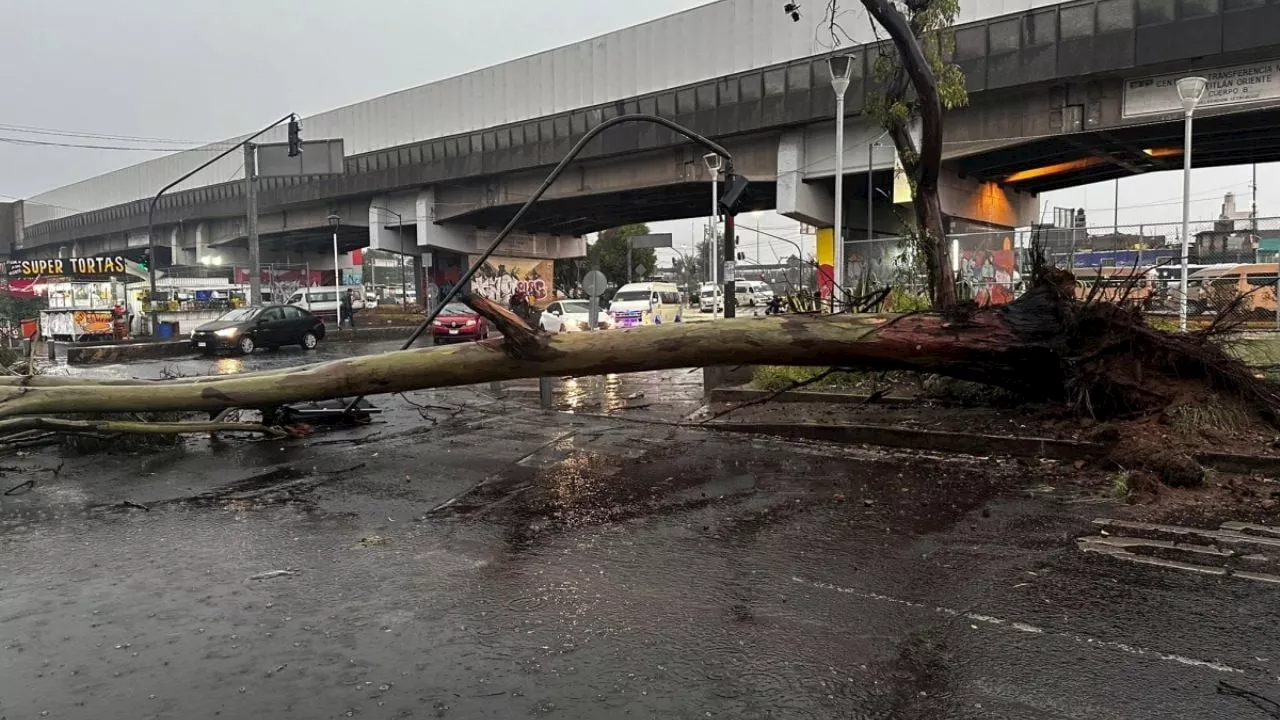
(347, 310)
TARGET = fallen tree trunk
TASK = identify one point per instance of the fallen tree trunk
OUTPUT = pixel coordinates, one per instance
(924, 342)
(1044, 345)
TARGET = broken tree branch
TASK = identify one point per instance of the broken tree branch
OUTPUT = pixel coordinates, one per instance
(22, 424)
(519, 340)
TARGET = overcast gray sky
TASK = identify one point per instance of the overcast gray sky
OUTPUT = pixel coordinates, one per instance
(210, 69)
(205, 70)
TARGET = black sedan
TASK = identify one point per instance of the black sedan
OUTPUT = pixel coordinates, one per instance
(244, 329)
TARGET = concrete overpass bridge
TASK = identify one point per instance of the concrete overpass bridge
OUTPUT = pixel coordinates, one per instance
(1061, 94)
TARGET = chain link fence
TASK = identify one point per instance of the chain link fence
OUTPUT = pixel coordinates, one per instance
(279, 280)
(1233, 266)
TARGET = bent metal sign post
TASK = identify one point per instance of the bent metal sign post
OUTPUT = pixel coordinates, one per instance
(65, 267)
(1256, 82)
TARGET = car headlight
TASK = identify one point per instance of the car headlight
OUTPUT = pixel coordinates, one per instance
(469, 323)
(437, 323)
(227, 332)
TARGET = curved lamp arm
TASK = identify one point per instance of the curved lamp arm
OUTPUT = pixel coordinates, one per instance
(710, 145)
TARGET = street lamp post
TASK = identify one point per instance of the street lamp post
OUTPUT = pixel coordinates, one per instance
(714, 163)
(334, 222)
(1190, 91)
(841, 67)
(404, 285)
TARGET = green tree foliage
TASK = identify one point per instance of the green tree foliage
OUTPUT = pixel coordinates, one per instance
(609, 253)
(917, 83)
(14, 309)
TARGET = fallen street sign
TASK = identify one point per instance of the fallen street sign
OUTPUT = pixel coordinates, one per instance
(1237, 85)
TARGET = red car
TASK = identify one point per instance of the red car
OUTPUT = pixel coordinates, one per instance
(458, 323)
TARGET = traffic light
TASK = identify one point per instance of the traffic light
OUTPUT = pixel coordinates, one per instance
(731, 196)
(145, 263)
(295, 137)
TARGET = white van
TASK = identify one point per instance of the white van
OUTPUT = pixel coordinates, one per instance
(322, 300)
(710, 297)
(752, 293)
(647, 303)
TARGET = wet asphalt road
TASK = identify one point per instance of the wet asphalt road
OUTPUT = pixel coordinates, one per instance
(477, 558)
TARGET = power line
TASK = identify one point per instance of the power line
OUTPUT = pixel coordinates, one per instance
(85, 146)
(32, 202)
(34, 130)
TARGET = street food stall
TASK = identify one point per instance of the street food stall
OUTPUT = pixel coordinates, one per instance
(184, 303)
(87, 297)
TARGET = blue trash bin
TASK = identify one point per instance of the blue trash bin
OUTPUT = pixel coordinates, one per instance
(165, 330)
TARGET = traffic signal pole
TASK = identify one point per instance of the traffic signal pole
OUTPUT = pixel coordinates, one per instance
(151, 210)
(251, 220)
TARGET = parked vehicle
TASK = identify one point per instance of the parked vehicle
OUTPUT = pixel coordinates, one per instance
(646, 303)
(572, 316)
(710, 298)
(322, 300)
(1134, 285)
(1214, 287)
(243, 330)
(458, 323)
(752, 293)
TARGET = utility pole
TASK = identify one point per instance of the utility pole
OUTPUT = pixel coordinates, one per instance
(871, 185)
(251, 217)
(1115, 212)
(730, 245)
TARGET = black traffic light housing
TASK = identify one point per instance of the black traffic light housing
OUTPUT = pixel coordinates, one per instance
(295, 137)
(731, 196)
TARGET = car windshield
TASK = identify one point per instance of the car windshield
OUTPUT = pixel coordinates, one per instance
(580, 308)
(239, 314)
(454, 308)
(708, 292)
(631, 296)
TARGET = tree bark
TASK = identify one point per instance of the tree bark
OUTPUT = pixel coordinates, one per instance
(922, 164)
(1008, 346)
(23, 424)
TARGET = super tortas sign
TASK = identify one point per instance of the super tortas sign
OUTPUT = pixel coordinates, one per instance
(65, 267)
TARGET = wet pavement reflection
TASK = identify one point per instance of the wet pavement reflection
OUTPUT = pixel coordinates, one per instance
(473, 557)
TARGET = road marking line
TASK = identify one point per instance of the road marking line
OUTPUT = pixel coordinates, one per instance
(1030, 629)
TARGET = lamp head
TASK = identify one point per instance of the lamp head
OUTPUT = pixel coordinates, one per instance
(841, 67)
(334, 221)
(1191, 91)
(714, 162)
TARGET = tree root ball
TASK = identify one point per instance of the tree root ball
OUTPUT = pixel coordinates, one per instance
(1174, 469)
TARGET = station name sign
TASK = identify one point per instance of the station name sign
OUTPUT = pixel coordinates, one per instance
(65, 267)
(1255, 82)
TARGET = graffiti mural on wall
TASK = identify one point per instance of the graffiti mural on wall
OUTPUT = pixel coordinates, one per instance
(990, 275)
(871, 265)
(501, 277)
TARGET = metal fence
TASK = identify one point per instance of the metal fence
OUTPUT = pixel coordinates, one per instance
(279, 280)
(1233, 266)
